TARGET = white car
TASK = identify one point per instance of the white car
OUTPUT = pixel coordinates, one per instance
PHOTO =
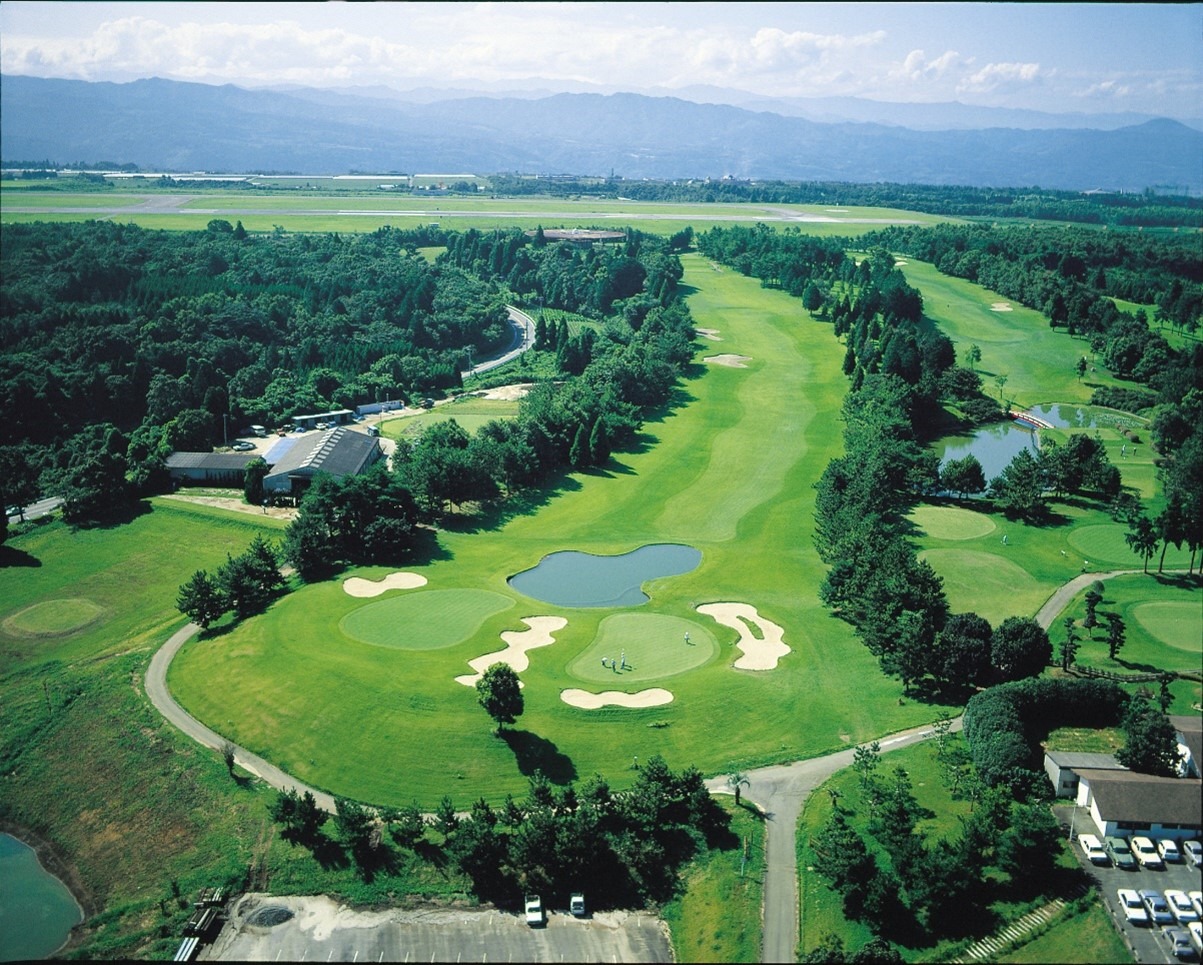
(534, 910)
(1180, 905)
(1194, 851)
(1134, 908)
(1145, 852)
(1093, 849)
(1196, 901)
(1168, 849)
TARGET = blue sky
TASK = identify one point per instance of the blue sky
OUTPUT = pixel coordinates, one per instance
(1053, 57)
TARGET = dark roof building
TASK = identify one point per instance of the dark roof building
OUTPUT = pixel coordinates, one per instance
(1128, 802)
(337, 452)
(218, 468)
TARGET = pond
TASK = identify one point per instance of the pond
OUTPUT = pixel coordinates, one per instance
(37, 912)
(994, 446)
(1065, 416)
(575, 579)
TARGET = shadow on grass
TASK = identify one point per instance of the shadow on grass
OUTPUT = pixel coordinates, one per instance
(534, 753)
(10, 556)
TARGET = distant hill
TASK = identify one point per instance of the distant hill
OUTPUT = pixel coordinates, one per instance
(161, 124)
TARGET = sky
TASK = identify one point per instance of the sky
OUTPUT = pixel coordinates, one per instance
(1057, 57)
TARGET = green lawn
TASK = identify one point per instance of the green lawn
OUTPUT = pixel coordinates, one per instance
(729, 471)
(1088, 938)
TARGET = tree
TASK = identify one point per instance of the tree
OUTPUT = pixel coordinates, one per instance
(974, 356)
(1081, 367)
(1069, 645)
(1142, 538)
(227, 756)
(962, 652)
(1019, 489)
(252, 481)
(865, 760)
(201, 600)
(1116, 633)
(300, 815)
(1019, 648)
(1094, 596)
(407, 825)
(355, 824)
(735, 781)
(963, 476)
(1151, 744)
(1030, 846)
(499, 693)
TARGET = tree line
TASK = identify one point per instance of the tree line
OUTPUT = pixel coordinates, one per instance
(623, 848)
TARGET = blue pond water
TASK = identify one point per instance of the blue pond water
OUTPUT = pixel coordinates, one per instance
(1065, 416)
(994, 446)
(577, 579)
(37, 912)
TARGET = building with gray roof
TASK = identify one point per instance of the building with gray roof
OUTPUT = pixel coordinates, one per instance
(337, 452)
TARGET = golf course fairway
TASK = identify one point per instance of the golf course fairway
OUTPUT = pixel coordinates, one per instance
(729, 469)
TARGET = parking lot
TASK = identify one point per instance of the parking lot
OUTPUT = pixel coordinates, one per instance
(1147, 942)
(268, 928)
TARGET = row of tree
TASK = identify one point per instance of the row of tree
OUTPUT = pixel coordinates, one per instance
(243, 584)
(624, 848)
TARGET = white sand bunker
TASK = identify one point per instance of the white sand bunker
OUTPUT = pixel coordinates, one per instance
(358, 586)
(733, 361)
(1001, 307)
(758, 654)
(518, 643)
(710, 333)
(652, 697)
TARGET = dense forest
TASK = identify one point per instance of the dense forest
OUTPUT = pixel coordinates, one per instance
(122, 344)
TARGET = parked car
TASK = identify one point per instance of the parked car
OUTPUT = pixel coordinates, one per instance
(1145, 852)
(1168, 849)
(1194, 852)
(427, 403)
(243, 446)
(1180, 943)
(534, 910)
(577, 905)
(1134, 909)
(1157, 907)
(1196, 934)
(1093, 849)
(1180, 905)
(1117, 848)
(1196, 902)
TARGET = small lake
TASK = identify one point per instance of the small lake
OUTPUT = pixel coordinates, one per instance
(37, 912)
(1065, 416)
(575, 579)
(994, 446)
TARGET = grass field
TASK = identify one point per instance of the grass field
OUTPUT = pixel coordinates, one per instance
(471, 412)
(729, 471)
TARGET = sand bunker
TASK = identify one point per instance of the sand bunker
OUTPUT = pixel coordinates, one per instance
(1001, 307)
(710, 333)
(518, 643)
(653, 697)
(758, 654)
(733, 361)
(358, 586)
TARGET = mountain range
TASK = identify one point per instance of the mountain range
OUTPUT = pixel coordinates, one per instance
(175, 126)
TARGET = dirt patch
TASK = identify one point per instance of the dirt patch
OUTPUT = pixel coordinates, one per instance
(508, 393)
(731, 361)
(710, 333)
(237, 505)
(1001, 307)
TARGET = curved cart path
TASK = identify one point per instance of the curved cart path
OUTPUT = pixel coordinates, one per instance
(156, 690)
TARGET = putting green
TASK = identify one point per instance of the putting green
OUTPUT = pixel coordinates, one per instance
(653, 644)
(1176, 624)
(1104, 544)
(986, 584)
(53, 618)
(949, 522)
(430, 620)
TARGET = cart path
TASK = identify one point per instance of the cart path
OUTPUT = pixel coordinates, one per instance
(160, 696)
(1067, 591)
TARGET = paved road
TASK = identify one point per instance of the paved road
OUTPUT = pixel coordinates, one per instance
(43, 507)
(780, 791)
(524, 338)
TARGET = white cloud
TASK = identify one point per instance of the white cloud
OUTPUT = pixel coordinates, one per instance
(993, 76)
